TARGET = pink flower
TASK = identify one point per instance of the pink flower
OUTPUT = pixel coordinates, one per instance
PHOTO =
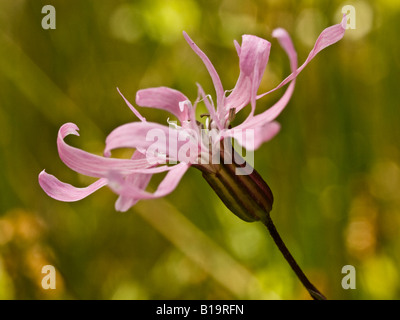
(130, 177)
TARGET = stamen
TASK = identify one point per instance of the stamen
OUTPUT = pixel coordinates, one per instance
(232, 114)
(231, 117)
(173, 123)
(200, 124)
(210, 99)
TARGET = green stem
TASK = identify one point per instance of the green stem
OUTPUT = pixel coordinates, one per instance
(313, 291)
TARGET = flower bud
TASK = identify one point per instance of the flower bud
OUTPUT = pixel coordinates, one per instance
(247, 196)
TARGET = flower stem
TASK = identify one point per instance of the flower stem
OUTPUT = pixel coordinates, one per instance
(312, 290)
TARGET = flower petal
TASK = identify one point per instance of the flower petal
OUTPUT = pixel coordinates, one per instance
(169, 183)
(164, 98)
(253, 59)
(237, 47)
(270, 114)
(64, 191)
(211, 70)
(90, 164)
(140, 181)
(327, 37)
(252, 139)
(124, 203)
(167, 141)
(132, 107)
(135, 135)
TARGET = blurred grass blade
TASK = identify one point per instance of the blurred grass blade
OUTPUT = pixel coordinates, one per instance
(198, 247)
(38, 88)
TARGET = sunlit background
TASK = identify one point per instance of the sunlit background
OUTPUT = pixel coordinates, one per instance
(334, 168)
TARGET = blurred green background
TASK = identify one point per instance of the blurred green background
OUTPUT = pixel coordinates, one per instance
(334, 167)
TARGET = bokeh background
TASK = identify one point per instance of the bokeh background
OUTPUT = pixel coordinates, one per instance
(334, 167)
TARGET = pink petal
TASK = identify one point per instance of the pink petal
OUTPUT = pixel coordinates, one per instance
(132, 107)
(124, 203)
(133, 135)
(270, 114)
(164, 98)
(90, 164)
(255, 83)
(138, 180)
(211, 70)
(66, 192)
(169, 183)
(327, 37)
(237, 47)
(253, 59)
(286, 43)
(252, 140)
(167, 140)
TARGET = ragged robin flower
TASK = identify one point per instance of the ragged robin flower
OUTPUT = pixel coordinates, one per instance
(130, 177)
(205, 145)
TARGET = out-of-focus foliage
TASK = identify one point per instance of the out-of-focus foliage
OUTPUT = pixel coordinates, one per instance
(334, 168)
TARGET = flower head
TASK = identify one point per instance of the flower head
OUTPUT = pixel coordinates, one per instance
(188, 142)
